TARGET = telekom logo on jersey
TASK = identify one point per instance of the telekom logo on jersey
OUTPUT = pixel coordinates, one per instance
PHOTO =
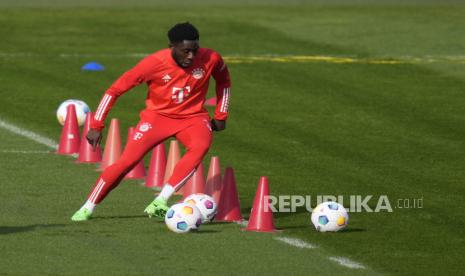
(179, 94)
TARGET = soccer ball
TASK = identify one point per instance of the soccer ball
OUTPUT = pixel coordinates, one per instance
(329, 217)
(81, 110)
(206, 205)
(183, 217)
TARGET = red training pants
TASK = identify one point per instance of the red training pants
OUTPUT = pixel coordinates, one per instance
(194, 133)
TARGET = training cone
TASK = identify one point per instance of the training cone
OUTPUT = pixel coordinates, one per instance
(195, 184)
(229, 208)
(138, 172)
(112, 151)
(70, 139)
(86, 152)
(174, 155)
(261, 217)
(157, 167)
(213, 185)
(211, 101)
(92, 66)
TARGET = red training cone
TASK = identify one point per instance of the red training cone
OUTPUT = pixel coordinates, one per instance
(174, 155)
(195, 184)
(213, 186)
(138, 172)
(157, 167)
(70, 139)
(211, 101)
(112, 151)
(228, 207)
(86, 152)
(261, 217)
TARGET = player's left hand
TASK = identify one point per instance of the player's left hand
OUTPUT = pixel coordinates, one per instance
(93, 137)
(218, 125)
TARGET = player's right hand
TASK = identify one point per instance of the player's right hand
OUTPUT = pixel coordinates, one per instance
(218, 125)
(93, 137)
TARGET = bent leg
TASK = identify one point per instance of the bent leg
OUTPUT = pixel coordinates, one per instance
(137, 146)
(197, 138)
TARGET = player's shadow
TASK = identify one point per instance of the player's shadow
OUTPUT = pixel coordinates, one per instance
(221, 222)
(205, 231)
(119, 217)
(6, 230)
(351, 230)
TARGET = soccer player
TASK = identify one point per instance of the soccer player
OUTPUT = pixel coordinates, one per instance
(177, 78)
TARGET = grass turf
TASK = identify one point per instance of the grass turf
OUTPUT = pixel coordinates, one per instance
(313, 128)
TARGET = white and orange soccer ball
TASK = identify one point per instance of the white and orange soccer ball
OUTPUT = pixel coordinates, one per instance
(81, 111)
(330, 217)
(183, 217)
(206, 205)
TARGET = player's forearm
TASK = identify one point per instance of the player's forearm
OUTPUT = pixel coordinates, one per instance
(223, 91)
(223, 95)
(105, 105)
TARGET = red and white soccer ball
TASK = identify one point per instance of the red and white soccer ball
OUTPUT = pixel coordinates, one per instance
(205, 203)
(81, 111)
(330, 217)
(183, 217)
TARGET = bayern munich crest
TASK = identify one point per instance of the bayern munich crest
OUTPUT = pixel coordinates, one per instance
(145, 127)
(198, 73)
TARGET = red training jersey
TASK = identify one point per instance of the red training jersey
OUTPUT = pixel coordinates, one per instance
(173, 91)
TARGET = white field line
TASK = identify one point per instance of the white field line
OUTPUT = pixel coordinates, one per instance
(305, 245)
(296, 242)
(52, 144)
(302, 244)
(29, 134)
(26, 151)
(388, 60)
(347, 262)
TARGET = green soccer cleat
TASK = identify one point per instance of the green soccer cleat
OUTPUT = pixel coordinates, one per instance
(157, 208)
(81, 215)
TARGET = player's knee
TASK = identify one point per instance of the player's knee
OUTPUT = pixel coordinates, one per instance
(200, 147)
(125, 164)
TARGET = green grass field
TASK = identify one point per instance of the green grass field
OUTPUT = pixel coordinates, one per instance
(373, 106)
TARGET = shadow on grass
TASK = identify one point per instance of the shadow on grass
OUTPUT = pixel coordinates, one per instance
(120, 217)
(311, 228)
(205, 231)
(5, 230)
(222, 222)
(350, 230)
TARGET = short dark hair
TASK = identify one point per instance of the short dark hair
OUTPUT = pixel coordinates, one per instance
(183, 31)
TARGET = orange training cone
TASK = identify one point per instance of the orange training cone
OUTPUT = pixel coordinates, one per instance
(195, 184)
(228, 207)
(138, 172)
(211, 101)
(70, 139)
(112, 151)
(157, 167)
(174, 155)
(86, 152)
(261, 217)
(213, 186)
